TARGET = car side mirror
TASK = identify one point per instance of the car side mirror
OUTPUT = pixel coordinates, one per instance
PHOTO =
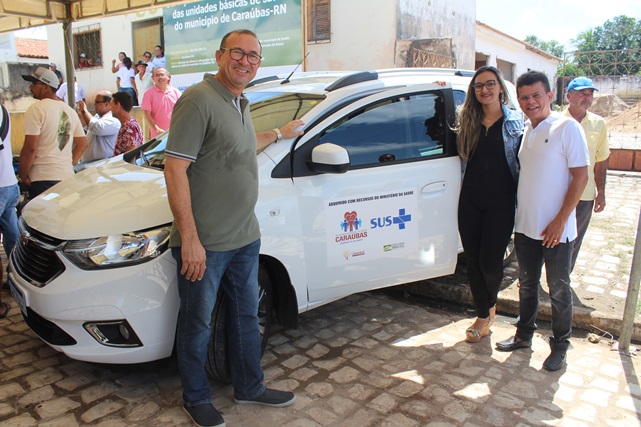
(329, 158)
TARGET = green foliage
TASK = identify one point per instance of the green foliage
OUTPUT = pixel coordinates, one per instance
(610, 49)
(552, 47)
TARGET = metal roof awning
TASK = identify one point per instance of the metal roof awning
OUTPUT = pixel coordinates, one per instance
(19, 14)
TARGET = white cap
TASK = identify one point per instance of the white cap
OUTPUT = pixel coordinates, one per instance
(43, 75)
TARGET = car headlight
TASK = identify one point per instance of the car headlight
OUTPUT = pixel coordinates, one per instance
(118, 250)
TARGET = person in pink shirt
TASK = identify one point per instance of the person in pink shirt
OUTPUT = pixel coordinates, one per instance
(159, 101)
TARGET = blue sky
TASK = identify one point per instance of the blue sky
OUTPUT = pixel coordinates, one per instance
(559, 20)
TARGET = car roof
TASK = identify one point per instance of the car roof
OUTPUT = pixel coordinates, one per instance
(322, 82)
(344, 84)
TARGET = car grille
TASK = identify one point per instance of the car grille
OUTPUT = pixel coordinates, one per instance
(34, 257)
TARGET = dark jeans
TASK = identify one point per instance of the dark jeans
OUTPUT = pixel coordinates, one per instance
(237, 272)
(531, 255)
(583, 215)
(38, 187)
(486, 221)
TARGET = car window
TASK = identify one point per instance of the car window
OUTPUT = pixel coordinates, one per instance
(271, 110)
(150, 154)
(459, 98)
(268, 110)
(403, 128)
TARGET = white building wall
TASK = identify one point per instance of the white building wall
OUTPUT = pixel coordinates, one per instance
(497, 45)
(8, 48)
(363, 36)
(455, 19)
(7, 54)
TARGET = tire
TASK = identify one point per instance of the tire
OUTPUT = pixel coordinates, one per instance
(217, 364)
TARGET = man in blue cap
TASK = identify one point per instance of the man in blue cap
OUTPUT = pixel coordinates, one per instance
(580, 95)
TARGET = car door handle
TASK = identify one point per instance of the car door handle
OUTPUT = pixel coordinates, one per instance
(434, 187)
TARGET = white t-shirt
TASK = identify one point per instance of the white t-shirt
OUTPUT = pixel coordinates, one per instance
(62, 93)
(546, 156)
(159, 62)
(143, 84)
(125, 75)
(56, 124)
(7, 175)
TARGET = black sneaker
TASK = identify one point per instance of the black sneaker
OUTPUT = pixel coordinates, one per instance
(205, 415)
(269, 397)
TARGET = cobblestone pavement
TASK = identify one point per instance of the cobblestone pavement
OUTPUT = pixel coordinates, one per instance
(367, 360)
(601, 276)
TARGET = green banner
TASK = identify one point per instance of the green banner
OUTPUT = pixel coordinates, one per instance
(193, 32)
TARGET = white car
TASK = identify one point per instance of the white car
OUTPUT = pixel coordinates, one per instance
(365, 199)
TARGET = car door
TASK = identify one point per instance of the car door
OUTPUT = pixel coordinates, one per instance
(391, 218)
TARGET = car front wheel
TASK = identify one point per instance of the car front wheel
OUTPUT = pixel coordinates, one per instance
(217, 364)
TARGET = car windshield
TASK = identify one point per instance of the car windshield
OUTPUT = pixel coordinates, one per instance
(268, 110)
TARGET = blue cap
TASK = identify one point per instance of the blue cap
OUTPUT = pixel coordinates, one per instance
(581, 83)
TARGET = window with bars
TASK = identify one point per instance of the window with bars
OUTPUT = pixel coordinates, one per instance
(318, 21)
(87, 41)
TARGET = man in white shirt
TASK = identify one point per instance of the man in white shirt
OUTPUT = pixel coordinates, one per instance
(53, 136)
(63, 93)
(143, 80)
(102, 129)
(554, 171)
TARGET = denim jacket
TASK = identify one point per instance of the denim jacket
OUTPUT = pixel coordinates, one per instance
(513, 124)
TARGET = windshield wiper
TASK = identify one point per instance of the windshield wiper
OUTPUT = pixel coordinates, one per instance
(144, 158)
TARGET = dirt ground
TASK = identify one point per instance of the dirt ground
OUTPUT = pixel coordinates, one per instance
(628, 120)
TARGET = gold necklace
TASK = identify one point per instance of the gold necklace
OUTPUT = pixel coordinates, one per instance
(491, 122)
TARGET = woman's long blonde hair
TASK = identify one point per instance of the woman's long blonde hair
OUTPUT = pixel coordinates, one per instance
(469, 116)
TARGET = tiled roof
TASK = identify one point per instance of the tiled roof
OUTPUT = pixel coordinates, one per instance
(32, 48)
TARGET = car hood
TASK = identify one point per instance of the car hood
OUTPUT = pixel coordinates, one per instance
(112, 198)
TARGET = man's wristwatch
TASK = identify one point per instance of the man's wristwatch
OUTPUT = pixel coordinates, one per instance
(279, 135)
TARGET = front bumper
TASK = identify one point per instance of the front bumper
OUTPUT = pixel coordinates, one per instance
(144, 297)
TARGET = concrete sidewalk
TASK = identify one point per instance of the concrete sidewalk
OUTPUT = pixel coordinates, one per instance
(600, 278)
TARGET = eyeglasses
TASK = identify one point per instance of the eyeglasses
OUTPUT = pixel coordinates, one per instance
(490, 84)
(148, 56)
(102, 101)
(238, 54)
(525, 98)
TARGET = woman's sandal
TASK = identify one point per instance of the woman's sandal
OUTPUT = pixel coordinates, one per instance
(475, 335)
(6, 307)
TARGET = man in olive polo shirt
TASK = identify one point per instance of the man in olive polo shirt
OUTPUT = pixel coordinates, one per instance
(212, 185)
